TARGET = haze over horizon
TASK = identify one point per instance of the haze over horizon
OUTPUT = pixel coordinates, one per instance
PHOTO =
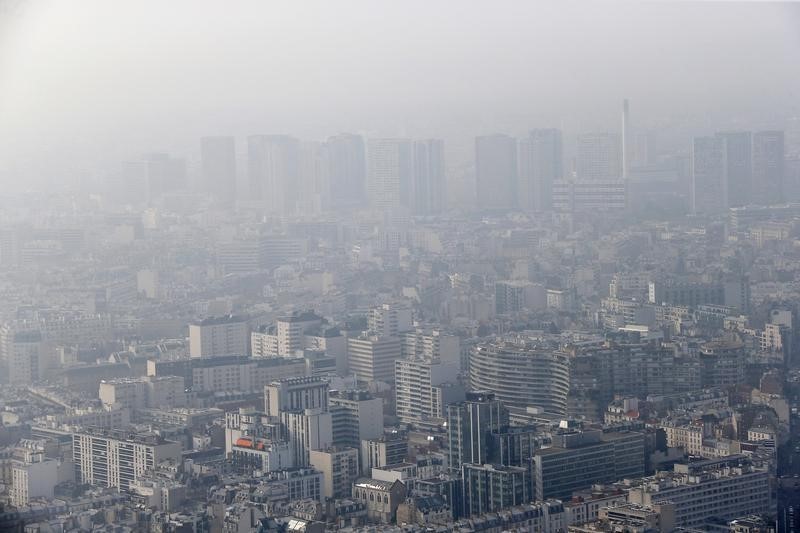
(79, 94)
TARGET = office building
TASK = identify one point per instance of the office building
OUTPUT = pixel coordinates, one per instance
(347, 170)
(725, 488)
(588, 196)
(627, 140)
(355, 415)
(469, 425)
(428, 187)
(709, 193)
(739, 166)
(768, 168)
(339, 468)
(118, 458)
(489, 488)
(371, 358)
(390, 170)
(522, 377)
(496, 171)
(388, 449)
(295, 394)
(540, 164)
(219, 336)
(273, 165)
(579, 458)
(218, 155)
(307, 430)
(599, 157)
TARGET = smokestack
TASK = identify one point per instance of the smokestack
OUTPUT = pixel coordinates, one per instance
(626, 141)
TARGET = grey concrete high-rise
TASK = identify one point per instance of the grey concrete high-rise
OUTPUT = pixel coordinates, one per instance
(496, 171)
(540, 164)
(469, 427)
(390, 170)
(218, 156)
(273, 164)
(599, 156)
(739, 166)
(768, 161)
(709, 175)
(347, 169)
(428, 194)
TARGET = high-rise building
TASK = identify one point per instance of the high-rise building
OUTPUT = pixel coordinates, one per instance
(119, 458)
(389, 320)
(347, 169)
(627, 139)
(295, 394)
(390, 169)
(768, 163)
(388, 449)
(522, 377)
(739, 166)
(469, 426)
(428, 191)
(490, 488)
(356, 415)
(339, 467)
(540, 164)
(371, 358)
(579, 458)
(227, 335)
(599, 156)
(313, 184)
(709, 175)
(424, 388)
(273, 163)
(218, 156)
(496, 171)
(35, 477)
(22, 355)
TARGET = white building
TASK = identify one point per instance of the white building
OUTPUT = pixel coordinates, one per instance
(389, 320)
(139, 393)
(371, 358)
(118, 458)
(228, 335)
(33, 479)
(423, 388)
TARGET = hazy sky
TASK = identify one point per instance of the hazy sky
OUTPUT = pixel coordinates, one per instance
(84, 84)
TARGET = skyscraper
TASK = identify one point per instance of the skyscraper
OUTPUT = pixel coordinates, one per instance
(389, 173)
(627, 138)
(313, 186)
(540, 164)
(768, 148)
(429, 178)
(599, 156)
(709, 175)
(219, 169)
(496, 171)
(273, 169)
(739, 166)
(347, 169)
(469, 427)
